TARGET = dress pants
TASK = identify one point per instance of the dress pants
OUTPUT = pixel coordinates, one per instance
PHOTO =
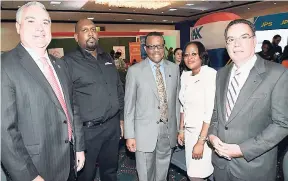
(153, 166)
(224, 175)
(102, 145)
(72, 174)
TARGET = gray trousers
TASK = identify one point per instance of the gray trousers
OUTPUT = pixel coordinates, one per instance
(153, 166)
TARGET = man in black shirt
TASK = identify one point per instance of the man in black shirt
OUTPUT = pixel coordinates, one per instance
(100, 96)
(277, 50)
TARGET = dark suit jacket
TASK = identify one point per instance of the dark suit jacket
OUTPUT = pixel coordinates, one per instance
(33, 127)
(258, 122)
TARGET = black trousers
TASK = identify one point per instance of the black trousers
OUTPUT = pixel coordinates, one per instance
(72, 174)
(102, 144)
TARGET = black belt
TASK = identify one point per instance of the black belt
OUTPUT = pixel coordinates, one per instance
(89, 124)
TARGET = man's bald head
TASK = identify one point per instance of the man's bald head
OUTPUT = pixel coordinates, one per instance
(86, 35)
(81, 23)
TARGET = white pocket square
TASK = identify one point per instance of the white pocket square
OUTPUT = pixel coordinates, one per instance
(108, 63)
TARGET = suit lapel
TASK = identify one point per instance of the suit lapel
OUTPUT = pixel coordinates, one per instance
(224, 81)
(167, 72)
(253, 81)
(150, 78)
(32, 68)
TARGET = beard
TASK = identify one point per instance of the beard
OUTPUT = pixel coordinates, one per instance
(91, 45)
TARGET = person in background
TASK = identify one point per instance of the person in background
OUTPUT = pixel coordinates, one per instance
(39, 131)
(277, 50)
(152, 110)
(284, 57)
(119, 63)
(197, 99)
(250, 114)
(170, 54)
(266, 52)
(177, 55)
(112, 54)
(100, 96)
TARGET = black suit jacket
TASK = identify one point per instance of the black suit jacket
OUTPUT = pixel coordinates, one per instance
(34, 136)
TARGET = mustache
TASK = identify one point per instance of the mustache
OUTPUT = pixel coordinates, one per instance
(92, 38)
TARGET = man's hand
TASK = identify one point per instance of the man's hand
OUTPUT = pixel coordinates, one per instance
(181, 138)
(231, 150)
(38, 178)
(80, 160)
(217, 143)
(131, 145)
(122, 129)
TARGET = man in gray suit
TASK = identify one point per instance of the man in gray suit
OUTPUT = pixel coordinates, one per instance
(152, 110)
(250, 116)
(39, 134)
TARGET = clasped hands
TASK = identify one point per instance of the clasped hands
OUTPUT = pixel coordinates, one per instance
(227, 151)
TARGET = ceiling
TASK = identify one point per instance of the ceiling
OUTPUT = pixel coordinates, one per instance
(72, 11)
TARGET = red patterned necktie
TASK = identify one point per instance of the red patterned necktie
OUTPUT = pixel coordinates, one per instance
(49, 74)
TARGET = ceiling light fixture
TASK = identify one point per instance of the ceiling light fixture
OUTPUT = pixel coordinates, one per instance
(189, 4)
(275, 3)
(90, 18)
(147, 4)
(55, 2)
(129, 19)
(172, 9)
(164, 20)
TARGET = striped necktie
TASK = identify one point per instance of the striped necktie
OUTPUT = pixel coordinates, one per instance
(49, 74)
(232, 94)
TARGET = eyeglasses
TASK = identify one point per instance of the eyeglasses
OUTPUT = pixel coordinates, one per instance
(185, 55)
(241, 39)
(153, 47)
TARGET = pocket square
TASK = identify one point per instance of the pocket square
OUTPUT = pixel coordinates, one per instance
(108, 63)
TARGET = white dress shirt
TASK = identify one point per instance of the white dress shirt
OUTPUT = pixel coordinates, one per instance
(244, 71)
(39, 63)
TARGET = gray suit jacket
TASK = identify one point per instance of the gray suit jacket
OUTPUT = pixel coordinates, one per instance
(141, 111)
(258, 122)
(33, 126)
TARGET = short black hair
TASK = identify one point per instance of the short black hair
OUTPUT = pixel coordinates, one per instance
(240, 21)
(203, 54)
(154, 34)
(276, 36)
(176, 49)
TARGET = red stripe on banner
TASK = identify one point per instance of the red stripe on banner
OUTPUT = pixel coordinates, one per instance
(102, 33)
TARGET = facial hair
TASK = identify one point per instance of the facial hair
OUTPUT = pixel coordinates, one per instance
(91, 47)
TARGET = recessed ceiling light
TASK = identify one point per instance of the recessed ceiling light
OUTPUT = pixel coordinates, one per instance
(189, 4)
(275, 3)
(172, 21)
(172, 9)
(162, 12)
(129, 19)
(248, 8)
(19, 6)
(68, 19)
(90, 18)
(82, 8)
(55, 2)
(164, 20)
(109, 9)
(154, 20)
(134, 10)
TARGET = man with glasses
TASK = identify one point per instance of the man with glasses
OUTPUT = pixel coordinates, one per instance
(152, 110)
(250, 115)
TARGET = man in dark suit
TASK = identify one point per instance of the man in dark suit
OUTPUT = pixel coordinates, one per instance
(250, 115)
(39, 134)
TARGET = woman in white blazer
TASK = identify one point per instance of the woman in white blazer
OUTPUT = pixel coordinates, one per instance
(197, 99)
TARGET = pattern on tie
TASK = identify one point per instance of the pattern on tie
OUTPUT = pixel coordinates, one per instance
(162, 94)
(48, 72)
(232, 94)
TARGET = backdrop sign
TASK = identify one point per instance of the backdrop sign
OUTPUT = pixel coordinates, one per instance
(135, 51)
(272, 22)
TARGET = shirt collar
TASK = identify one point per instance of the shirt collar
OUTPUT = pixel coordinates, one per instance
(34, 55)
(245, 67)
(153, 63)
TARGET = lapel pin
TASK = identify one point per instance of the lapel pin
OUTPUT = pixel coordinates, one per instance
(59, 67)
(169, 75)
(54, 61)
